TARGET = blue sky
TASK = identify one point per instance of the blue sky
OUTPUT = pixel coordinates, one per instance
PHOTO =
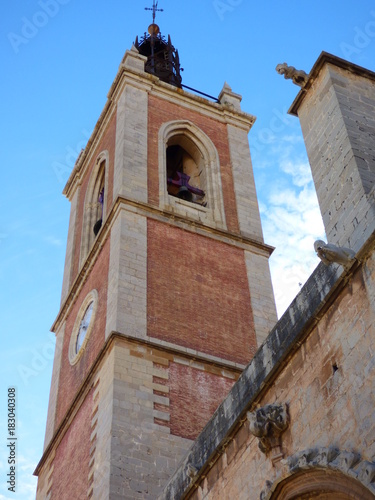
(59, 58)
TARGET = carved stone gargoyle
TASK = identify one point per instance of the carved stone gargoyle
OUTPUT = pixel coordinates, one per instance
(298, 76)
(267, 424)
(329, 253)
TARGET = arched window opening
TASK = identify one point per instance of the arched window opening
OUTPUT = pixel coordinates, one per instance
(189, 173)
(95, 204)
(99, 208)
(185, 172)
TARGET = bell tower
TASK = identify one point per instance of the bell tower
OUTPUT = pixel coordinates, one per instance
(166, 290)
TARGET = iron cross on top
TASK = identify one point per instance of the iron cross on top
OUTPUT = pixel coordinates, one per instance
(154, 10)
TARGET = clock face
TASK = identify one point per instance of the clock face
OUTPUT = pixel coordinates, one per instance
(83, 327)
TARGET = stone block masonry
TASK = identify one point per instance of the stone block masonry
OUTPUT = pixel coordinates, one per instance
(336, 111)
(127, 280)
(136, 391)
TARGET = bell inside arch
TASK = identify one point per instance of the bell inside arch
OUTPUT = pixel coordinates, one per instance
(184, 194)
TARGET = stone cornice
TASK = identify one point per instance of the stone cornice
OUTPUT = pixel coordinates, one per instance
(324, 59)
(87, 384)
(150, 211)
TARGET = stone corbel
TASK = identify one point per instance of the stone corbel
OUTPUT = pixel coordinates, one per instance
(267, 424)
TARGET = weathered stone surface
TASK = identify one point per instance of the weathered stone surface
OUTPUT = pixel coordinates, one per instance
(285, 337)
(336, 115)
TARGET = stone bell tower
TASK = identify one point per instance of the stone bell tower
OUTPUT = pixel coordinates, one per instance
(166, 290)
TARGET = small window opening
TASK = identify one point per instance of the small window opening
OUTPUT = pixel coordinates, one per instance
(99, 222)
(184, 176)
(98, 201)
(335, 367)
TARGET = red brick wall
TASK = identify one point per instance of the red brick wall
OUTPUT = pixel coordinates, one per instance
(198, 294)
(194, 396)
(71, 463)
(108, 142)
(71, 377)
(161, 111)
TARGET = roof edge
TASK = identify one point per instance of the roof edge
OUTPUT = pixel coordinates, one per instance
(323, 59)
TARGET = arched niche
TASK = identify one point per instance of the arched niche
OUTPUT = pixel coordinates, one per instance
(185, 149)
(95, 203)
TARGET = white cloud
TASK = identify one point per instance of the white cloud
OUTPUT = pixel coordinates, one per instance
(291, 222)
(57, 242)
(292, 138)
(299, 170)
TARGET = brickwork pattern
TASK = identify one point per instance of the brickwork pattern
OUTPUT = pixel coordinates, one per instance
(71, 377)
(194, 396)
(71, 463)
(198, 295)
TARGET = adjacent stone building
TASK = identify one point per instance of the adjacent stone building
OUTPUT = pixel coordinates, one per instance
(167, 309)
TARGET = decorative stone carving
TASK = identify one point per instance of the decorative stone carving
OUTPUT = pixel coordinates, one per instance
(298, 76)
(191, 471)
(366, 472)
(329, 253)
(267, 424)
(345, 461)
(324, 456)
(301, 460)
(266, 490)
(349, 463)
(315, 457)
